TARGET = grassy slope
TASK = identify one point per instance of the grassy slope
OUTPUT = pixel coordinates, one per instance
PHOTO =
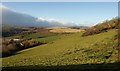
(68, 49)
(43, 37)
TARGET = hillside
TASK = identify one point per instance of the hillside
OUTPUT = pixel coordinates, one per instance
(60, 36)
(103, 27)
(68, 49)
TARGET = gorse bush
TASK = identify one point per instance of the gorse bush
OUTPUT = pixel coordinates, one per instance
(102, 27)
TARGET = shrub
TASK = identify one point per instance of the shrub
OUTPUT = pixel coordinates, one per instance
(10, 47)
(103, 27)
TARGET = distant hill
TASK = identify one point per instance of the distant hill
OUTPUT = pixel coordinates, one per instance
(14, 18)
(102, 27)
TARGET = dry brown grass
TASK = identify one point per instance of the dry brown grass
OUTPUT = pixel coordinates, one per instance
(64, 30)
(103, 27)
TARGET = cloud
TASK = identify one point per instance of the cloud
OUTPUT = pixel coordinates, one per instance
(11, 17)
(87, 23)
(3, 7)
(57, 22)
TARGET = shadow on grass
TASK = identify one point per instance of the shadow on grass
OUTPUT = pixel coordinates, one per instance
(81, 67)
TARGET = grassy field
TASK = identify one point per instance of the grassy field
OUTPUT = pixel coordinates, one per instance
(67, 49)
(64, 30)
(46, 38)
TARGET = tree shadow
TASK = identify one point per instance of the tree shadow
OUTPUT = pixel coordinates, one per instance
(80, 67)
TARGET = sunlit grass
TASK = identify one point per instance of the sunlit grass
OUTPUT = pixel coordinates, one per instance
(68, 49)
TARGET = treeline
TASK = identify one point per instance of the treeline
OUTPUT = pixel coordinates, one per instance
(103, 27)
(10, 47)
(11, 31)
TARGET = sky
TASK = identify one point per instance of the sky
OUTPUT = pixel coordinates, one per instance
(59, 0)
(85, 13)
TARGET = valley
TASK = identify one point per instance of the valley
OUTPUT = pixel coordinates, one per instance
(60, 36)
(66, 49)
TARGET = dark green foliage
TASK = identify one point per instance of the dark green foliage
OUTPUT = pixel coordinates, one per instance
(11, 47)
